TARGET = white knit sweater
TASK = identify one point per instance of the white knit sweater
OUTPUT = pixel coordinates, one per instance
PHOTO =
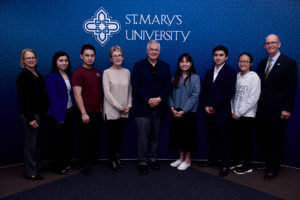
(117, 92)
(247, 91)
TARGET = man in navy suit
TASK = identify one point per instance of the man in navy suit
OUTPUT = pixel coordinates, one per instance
(151, 80)
(218, 90)
(278, 74)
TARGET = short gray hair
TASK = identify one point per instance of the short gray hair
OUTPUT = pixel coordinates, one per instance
(153, 42)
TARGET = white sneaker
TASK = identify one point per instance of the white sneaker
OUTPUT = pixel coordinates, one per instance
(184, 166)
(176, 163)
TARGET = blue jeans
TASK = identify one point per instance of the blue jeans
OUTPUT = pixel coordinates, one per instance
(148, 137)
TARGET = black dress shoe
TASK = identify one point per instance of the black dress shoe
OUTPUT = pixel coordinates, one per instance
(143, 169)
(269, 176)
(113, 165)
(35, 178)
(224, 172)
(154, 165)
(208, 163)
(86, 171)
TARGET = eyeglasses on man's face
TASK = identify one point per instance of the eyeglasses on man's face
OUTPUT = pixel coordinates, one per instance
(271, 43)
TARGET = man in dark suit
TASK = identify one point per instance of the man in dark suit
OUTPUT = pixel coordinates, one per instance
(278, 74)
(218, 90)
(151, 81)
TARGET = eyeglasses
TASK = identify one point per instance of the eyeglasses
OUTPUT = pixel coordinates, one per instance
(271, 43)
(244, 62)
(30, 58)
(117, 56)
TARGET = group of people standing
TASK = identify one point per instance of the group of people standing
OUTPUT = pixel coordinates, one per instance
(229, 101)
(234, 103)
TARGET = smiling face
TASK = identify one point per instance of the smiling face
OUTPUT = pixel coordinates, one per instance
(117, 58)
(153, 51)
(185, 65)
(272, 45)
(220, 57)
(29, 59)
(244, 64)
(62, 63)
(88, 58)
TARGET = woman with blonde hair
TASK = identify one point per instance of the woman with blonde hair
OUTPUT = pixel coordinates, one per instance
(33, 107)
(117, 104)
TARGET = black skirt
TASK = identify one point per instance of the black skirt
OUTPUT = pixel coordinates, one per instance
(183, 133)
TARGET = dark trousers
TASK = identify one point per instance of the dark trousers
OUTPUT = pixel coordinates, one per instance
(115, 129)
(148, 137)
(242, 137)
(61, 141)
(32, 146)
(219, 139)
(89, 139)
(271, 132)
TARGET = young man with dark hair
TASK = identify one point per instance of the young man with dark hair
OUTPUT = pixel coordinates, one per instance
(218, 90)
(86, 85)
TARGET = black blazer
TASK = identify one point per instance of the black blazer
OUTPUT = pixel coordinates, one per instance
(32, 94)
(145, 88)
(218, 94)
(278, 92)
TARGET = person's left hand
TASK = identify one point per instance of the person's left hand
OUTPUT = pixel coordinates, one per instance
(153, 102)
(126, 109)
(180, 113)
(285, 114)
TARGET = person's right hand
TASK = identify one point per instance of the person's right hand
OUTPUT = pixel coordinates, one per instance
(234, 116)
(85, 118)
(33, 124)
(209, 110)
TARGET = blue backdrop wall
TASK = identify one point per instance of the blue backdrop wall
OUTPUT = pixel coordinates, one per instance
(193, 26)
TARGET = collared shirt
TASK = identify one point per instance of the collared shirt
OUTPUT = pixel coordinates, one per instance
(274, 59)
(154, 70)
(216, 71)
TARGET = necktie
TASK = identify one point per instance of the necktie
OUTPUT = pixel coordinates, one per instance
(268, 69)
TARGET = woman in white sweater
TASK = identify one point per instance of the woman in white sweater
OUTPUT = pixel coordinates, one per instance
(116, 105)
(244, 105)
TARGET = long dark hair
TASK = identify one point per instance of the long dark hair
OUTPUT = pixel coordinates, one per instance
(190, 71)
(55, 58)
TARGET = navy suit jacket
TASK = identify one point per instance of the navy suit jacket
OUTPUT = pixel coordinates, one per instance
(57, 95)
(145, 88)
(218, 94)
(278, 92)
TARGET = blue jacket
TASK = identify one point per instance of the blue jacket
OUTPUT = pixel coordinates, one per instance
(145, 88)
(57, 95)
(186, 96)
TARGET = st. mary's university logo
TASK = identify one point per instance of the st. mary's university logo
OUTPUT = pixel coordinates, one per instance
(102, 26)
